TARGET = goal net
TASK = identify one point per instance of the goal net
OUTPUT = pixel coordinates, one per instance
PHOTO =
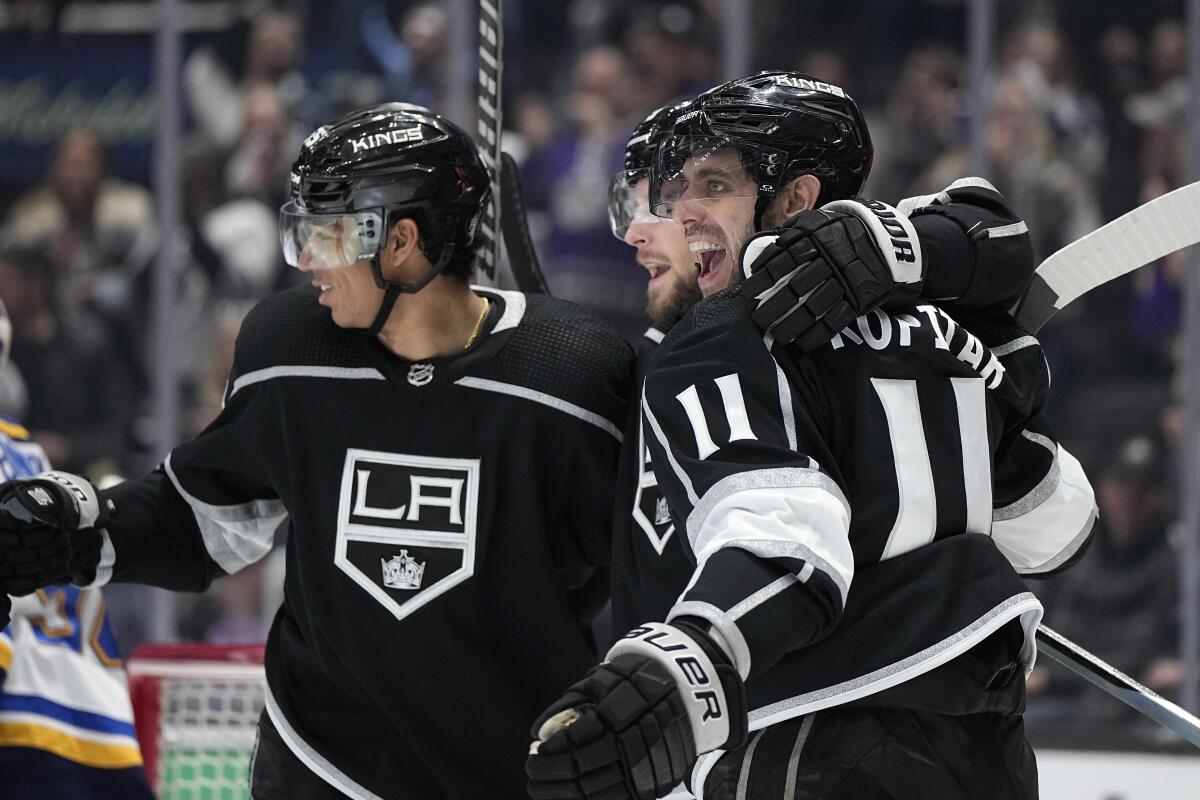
(196, 709)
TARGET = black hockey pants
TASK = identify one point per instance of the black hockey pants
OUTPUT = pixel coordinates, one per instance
(880, 754)
(954, 733)
(276, 773)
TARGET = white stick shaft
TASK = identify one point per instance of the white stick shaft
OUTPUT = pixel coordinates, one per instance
(1140, 237)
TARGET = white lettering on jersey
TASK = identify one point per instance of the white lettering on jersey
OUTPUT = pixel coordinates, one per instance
(898, 331)
(734, 405)
(406, 525)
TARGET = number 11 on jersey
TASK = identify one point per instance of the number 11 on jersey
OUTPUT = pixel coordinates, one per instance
(916, 515)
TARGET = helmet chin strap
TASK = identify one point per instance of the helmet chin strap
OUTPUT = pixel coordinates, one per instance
(392, 291)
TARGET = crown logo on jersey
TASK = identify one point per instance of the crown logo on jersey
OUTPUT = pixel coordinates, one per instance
(402, 572)
(662, 515)
(420, 374)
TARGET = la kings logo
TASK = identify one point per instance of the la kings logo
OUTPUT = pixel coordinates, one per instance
(650, 511)
(407, 525)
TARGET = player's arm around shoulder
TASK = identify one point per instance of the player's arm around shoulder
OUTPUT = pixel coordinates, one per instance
(977, 248)
(1044, 506)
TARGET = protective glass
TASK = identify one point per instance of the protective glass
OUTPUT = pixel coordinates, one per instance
(328, 241)
(688, 168)
(625, 208)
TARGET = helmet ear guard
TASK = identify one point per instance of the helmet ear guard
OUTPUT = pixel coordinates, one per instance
(356, 176)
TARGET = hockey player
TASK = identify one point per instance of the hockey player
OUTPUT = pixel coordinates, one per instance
(852, 624)
(960, 270)
(444, 456)
(66, 724)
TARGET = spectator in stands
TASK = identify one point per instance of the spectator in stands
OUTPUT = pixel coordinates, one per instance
(1120, 601)
(80, 392)
(671, 46)
(96, 231)
(408, 46)
(1025, 164)
(1040, 59)
(264, 48)
(920, 121)
(233, 194)
(567, 182)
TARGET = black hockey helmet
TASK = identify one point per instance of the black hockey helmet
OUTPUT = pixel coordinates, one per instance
(639, 155)
(358, 175)
(783, 124)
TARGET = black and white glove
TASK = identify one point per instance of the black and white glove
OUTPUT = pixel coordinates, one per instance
(827, 266)
(48, 532)
(633, 727)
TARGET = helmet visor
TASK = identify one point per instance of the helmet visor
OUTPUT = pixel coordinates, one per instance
(328, 241)
(625, 205)
(703, 168)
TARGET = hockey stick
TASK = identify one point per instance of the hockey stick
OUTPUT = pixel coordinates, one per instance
(491, 74)
(505, 215)
(522, 258)
(1116, 683)
(1145, 234)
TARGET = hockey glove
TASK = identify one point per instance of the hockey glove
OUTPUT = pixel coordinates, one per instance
(633, 727)
(48, 532)
(827, 266)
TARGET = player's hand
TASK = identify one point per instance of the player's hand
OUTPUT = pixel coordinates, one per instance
(633, 727)
(48, 532)
(827, 266)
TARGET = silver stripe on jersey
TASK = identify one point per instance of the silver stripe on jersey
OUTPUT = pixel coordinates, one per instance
(767, 592)
(1019, 343)
(514, 306)
(549, 400)
(1000, 231)
(311, 758)
(972, 182)
(725, 626)
(1048, 534)
(1038, 494)
(284, 371)
(800, 552)
(743, 784)
(781, 478)
(789, 783)
(910, 204)
(234, 536)
(682, 476)
(1024, 605)
(785, 406)
(1072, 547)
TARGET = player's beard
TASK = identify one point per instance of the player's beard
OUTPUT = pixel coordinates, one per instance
(665, 306)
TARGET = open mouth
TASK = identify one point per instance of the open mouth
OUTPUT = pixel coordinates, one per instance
(323, 288)
(710, 257)
(655, 269)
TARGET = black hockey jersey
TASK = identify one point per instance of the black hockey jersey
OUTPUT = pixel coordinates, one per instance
(444, 521)
(978, 257)
(642, 589)
(857, 516)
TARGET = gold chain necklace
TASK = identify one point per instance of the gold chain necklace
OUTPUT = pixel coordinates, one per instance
(478, 325)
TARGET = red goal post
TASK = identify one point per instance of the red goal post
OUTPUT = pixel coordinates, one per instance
(196, 708)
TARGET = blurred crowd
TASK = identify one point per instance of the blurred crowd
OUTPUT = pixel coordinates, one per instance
(1085, 119)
